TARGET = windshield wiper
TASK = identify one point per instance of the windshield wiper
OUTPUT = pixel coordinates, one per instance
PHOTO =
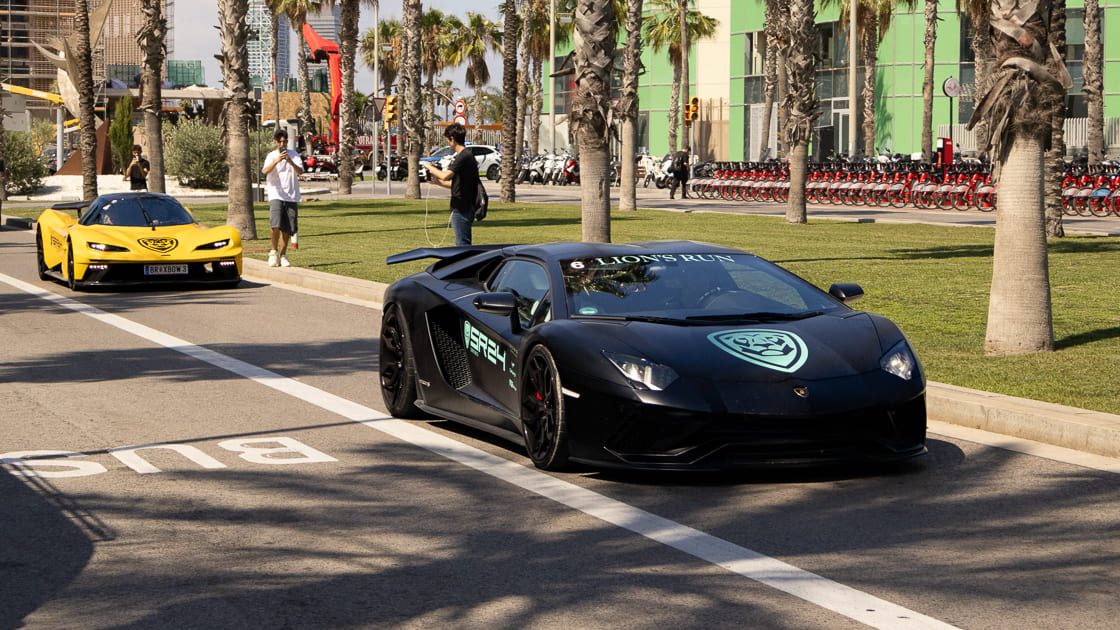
(147, 218)
(636, 318)
(758, 316)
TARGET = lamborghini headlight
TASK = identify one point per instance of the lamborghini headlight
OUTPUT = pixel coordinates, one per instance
(900, 361)
(641, 371)
(215, 245)
(103, 247)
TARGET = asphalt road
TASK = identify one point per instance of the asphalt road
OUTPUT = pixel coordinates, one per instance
(290, 500)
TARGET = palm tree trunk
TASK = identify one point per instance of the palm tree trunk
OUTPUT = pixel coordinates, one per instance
(151, 39)
(870, 60)
(413, 102)
(1019, 310)
(675, 108)
(783, 94)
(628, 107)
(4, 153)
(538, 108)
(86, 117)
(770, 76)
(523, 70)
(984, 68)
(509, 102)
(274, 50)
(596, 24)
(235, 76)
(801, 101)
(348, 50)
(685, 81)
(1055, 157)
(927, 81)
(304, 86)
(1094, 81)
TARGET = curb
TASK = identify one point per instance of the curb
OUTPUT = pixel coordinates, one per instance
(1059, 425)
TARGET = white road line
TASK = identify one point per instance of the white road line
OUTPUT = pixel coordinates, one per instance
(844, 600)
(1028, 447)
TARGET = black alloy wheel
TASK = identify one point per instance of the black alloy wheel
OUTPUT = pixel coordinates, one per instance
(398, 382)
(70, 281)
(542, 412)
(39, 256)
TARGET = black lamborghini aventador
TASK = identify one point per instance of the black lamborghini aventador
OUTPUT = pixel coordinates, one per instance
(659, 355)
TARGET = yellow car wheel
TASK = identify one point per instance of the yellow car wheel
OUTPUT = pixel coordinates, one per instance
(70, 281)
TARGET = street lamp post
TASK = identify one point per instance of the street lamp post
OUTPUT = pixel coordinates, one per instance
(552, 70)
(852, 61)
(376, 83)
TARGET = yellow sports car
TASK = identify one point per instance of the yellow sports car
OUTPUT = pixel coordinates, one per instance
(134, 238)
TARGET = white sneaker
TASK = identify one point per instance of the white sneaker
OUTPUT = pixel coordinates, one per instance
(272, 259)
(284, 262)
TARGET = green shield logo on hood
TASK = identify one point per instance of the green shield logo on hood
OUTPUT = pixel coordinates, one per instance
(772, 349)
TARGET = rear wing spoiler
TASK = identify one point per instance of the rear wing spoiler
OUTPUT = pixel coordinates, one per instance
(71, 205)
(443, 255)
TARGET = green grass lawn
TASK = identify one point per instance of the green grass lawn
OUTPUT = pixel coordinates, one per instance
(931, 280)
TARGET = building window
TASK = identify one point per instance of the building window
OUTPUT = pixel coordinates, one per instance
(826, 43)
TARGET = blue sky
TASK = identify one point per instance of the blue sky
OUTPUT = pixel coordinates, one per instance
(197, 38)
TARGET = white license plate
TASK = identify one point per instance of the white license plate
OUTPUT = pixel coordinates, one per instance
(165, 270)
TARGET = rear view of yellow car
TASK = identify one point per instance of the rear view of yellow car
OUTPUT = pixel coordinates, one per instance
(134, 238)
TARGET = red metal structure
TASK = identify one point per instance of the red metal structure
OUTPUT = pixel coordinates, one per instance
(326, 50)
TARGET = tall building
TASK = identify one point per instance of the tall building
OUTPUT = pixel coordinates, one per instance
(22, 21)
(325, 24)
(120, 54)
(260, 47)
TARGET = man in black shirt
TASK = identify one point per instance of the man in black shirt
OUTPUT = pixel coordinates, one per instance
(680, 167)
(463, 180)
(137, 170)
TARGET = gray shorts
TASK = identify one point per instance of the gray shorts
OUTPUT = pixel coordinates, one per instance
(282, 214)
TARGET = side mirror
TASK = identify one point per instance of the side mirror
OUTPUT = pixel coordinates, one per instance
(501, 303)
(846, 292)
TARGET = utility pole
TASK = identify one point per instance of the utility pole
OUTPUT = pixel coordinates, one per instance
(853, 47)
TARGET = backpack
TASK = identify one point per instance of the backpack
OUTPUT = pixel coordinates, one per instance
(481, 204)
(679, 167)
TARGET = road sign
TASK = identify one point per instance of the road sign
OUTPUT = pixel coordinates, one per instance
(951, 87)
(460, 106)
(460, 119)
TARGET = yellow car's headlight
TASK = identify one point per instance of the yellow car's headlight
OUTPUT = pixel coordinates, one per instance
(215, 245)
(103, 247)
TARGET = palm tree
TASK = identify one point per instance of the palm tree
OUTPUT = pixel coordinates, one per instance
(348, 49)
(596, 23)
(524, 70)
(151, 37)
(509, 104)
(628, 106)
(86, 118)
(296, 11)
(389, 61)
(479, 37)
(927, 81)
(1018, 109)
(773, 30)
(413, 114)
(1094, 80)
(439, 38)
(235, 76)
(274, 12)
(662, 30)
(1055, 156)
(800, 101)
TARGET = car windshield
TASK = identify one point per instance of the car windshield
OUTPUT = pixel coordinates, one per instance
(695, 288)
(139, 211)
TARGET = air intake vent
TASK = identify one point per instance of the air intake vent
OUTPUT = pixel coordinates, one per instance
(452, 356)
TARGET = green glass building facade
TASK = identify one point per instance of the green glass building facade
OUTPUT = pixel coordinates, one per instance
(726, 73)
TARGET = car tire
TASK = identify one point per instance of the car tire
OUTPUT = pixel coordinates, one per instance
(493, 173)
(395, 366)
(70, 281)
(543, 424)
(39, 256)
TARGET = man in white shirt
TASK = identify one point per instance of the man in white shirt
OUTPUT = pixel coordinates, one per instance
(283, 168)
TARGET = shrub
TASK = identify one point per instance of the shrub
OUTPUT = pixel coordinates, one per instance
(25, 170)
(195, 154)
(120, 133)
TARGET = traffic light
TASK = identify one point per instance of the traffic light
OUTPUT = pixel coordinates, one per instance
(686, 114)
(693, 108)
(390, 113)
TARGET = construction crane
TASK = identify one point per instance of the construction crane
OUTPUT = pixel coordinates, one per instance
(57, 100)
